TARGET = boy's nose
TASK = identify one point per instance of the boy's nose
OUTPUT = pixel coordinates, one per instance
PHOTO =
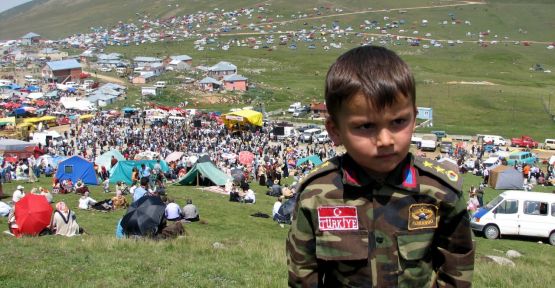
(385, 138)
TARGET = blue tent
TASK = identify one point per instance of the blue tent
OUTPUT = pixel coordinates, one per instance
(19, 111)
(312, 158)
(14, 86)
(122, 170)
(76, 168)
(33, 88)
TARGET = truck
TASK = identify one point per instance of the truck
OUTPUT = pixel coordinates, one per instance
(429, 142)
(293, 107)
(446, 145)
(524, 141)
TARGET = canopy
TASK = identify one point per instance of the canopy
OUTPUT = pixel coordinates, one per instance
(76, 168)
(14, 144)
(243, 117)
(208, 170)
(106, 158)
(122, 170)
(315, 159)
(174, 156)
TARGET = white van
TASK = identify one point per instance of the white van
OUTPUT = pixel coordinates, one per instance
(517, 213)
(495, 140)
(549, 144)
(308, 134)
(160, 84)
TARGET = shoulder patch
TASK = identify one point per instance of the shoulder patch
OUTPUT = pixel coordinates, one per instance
(447, 174)
(324, 168)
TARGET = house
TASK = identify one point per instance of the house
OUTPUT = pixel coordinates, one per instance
(100, 99)
(319, 109)
(62, 71)
(109, 60)
(209, 84)
(143, 78)
(30, 38)
(235, 82)
(180, 63)
(155, 68)
(51, 54)
(141, 61)
(222, 69)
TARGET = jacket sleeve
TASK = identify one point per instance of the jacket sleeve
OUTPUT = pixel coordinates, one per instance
(301, 250)
(454, 257)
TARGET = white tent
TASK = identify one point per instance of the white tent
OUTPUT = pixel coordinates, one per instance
(35, 95)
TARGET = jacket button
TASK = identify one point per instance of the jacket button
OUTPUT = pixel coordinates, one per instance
(379, 240)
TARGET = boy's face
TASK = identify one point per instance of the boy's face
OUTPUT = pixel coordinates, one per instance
(378, 140)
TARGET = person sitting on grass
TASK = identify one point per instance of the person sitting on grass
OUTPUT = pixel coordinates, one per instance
(249, 196)
(173, 211)
(122, 187)
(86, 202)
(119, 201)
(190, 211)
(64, 221)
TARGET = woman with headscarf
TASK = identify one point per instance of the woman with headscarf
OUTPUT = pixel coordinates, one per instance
(119, 201)
(64, 221)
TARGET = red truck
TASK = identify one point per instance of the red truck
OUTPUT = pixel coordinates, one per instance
(524, 141)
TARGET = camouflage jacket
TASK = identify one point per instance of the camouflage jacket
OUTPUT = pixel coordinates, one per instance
(408, 230)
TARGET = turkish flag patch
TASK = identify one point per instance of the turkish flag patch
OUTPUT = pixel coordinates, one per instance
(336, 218)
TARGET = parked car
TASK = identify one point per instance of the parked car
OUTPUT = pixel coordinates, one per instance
(322, 137)
(105, 69)
(522, 213)
(160, 84)
(521, 158)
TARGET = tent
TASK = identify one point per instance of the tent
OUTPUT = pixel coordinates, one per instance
(106, 158)
(14, 144)
(208, 170)
(76, 168)
(505, 177)
(312, 158)
(243, 117)
(122, 170)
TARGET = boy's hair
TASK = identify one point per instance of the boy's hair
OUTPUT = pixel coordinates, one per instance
(374, 71)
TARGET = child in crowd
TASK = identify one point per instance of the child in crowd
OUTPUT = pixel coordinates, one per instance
(378, 216)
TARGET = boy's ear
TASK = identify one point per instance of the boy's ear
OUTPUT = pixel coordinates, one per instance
(333, 132)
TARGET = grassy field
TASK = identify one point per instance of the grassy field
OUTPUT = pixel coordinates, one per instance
(253, 252)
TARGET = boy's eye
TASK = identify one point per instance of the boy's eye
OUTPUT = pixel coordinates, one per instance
(399, 121)
(367, 126)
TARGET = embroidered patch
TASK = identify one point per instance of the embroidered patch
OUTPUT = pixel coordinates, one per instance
(422, 216)
(335, 218)
(410, 177)
(452, 175)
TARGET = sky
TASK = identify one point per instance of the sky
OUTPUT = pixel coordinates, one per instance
(7, 4)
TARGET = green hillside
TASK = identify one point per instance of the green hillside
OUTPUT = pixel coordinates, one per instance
(518, 101)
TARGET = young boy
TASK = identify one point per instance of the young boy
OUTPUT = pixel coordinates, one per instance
(377, 216)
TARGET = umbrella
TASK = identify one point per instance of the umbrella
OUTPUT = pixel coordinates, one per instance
(144, 216)
(246, 157)
(32, 214)
(174, 156)
(237, 174)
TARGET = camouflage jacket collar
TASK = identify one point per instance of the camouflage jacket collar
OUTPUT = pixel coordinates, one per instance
(404, 176)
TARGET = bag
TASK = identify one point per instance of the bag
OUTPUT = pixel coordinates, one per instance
(260, 215)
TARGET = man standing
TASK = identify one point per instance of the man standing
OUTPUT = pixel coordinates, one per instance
(141, 190)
